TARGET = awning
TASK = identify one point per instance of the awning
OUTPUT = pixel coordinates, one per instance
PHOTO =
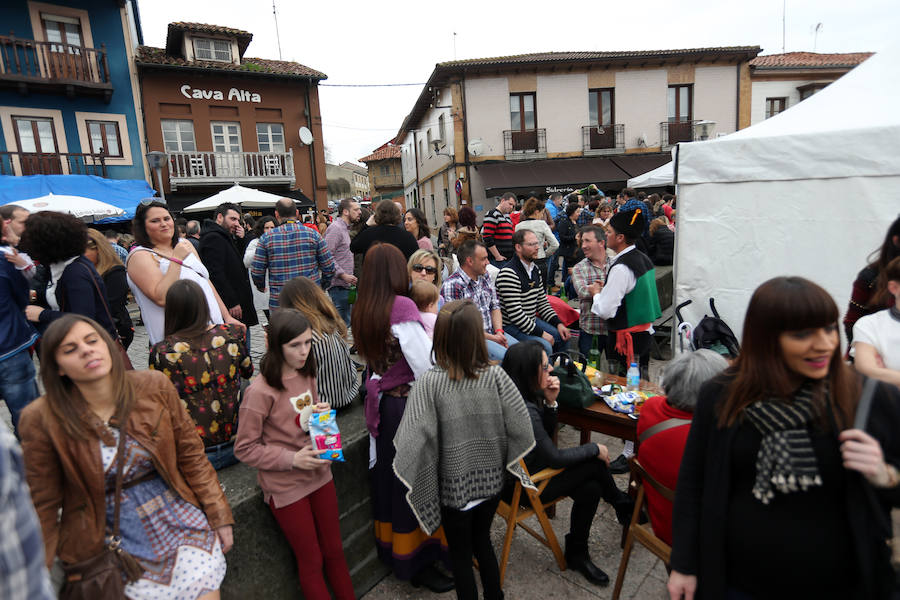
(636, 164)
(539, 173)
(122, 193)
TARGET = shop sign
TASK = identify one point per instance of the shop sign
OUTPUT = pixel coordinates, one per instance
(233, 94)
(559, 188)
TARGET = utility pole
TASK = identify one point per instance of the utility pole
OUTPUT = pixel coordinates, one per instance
(277, 35)
(783, 19)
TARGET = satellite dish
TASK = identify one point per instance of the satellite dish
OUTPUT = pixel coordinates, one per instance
(306, 136)
(476, 147)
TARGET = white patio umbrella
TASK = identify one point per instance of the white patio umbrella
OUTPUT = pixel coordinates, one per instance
(86, 209)
(238, 194)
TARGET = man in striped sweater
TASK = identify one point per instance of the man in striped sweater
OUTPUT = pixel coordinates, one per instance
(497, 230)
(520, 288)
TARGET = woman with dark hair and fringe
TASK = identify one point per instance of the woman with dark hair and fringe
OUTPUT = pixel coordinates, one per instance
(416, 223)
(778, 495)
(870, 293)
(158, 260)
(58, 241)
(586, 478)
(206, 363)
(467, 228)
(467, 418)
(338, 381)
(70, 435)
(391, 338)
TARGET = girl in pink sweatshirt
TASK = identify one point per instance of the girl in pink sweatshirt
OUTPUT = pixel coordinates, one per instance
(296, 483)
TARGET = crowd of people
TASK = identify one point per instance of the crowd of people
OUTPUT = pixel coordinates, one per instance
(455, 332)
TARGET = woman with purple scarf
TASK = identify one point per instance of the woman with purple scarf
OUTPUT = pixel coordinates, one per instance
(390, 336)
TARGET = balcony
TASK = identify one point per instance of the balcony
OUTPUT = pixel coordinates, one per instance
(680, 131)
(393, 180)
(30, 65)
(609, 139)
(55, 163)
(217, 168)
(524, 144)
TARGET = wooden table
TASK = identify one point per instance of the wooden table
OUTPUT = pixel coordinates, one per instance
(601, 418)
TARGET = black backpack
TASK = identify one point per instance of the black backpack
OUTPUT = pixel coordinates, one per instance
(714, 334)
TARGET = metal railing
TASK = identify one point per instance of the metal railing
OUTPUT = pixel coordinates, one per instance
(523, 144)
(606, 139)
(24, 60)
(677, 131)
(52, 163)
(211, 168)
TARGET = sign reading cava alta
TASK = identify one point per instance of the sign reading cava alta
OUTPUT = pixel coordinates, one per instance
(233, 94)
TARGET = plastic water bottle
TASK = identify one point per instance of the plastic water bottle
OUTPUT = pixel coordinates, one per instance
(633, 378)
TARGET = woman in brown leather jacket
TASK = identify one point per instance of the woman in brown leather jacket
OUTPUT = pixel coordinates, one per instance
(174, 519)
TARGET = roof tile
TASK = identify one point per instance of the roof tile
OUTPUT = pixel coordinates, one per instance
(548, 57)
(383, 153)
(794, 60)
(147, 55)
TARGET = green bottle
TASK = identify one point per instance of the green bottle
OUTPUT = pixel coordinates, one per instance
(594, 354)
(351, 294)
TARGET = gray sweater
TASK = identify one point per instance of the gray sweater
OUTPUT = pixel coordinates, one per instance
(458, 439)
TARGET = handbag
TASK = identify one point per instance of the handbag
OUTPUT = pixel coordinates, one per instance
(574, 387)
(122, 351)
(103, 577)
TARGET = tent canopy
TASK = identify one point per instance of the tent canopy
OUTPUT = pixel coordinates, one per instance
(237, 194)
(121, 193)
(658, 177)
(803, 193)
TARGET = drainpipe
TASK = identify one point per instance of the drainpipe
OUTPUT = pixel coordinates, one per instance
(462, 87)
(737, 100)
(311, 148)
(416, 163)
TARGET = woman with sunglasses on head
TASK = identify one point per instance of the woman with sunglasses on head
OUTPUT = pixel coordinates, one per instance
(391, 338)
(464, 431)
(586, 478)
(158, 260)
(295, 481)
(101, 253)
(174, 521)
(778, 495)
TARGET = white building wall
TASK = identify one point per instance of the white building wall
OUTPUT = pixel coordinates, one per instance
(430, 122)
(407, 160)
(641, 104)
(562, 108)
(487, 111)
(715, 96)
(772, 89)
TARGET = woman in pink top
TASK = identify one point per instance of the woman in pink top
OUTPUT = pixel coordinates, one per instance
(296, 483)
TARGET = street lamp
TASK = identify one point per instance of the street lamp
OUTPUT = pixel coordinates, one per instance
(156, 160)
(705, 129)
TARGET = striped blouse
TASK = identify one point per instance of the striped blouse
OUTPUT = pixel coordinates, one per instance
(336, 374)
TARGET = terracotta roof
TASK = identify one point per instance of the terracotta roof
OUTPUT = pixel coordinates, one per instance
(149, 56)
(243, 37)
(383, 153)
(549, 57)
(809, 60)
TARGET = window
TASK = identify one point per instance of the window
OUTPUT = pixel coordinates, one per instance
(522, 116)
(226, 137)
(104, 137)
(430, 145)
(178, 135)
(421, 151)
(775, 106)
(442, 130)
(680, 103)
(63, 32)
(35, 135)
(600, 107)
(384, 170)
(207, 49)
(270, 137)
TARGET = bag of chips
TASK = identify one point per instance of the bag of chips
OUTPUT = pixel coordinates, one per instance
(324, 433)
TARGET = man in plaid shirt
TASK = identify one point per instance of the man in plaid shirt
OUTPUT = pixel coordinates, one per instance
(592, 269)
(290, 250)
(23, 575)
(471, 282)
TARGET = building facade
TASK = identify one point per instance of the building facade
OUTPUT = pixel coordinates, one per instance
(782, 80)
(69, 90)
(346, 180)
(359, 179)
(538, 123)
(223, 118)
(385, 172)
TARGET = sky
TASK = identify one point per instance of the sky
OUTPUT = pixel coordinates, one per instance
(401, 41)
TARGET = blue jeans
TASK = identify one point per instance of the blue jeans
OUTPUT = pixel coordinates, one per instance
(558, 344)
(17, 385)
(341, 298)
(221, 455)
(551, 270)
(497, 351)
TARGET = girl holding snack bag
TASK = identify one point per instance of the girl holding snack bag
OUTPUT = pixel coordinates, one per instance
(295, 479)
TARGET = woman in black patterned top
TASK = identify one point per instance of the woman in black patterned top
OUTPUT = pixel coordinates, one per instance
(206, 363)
(338, 378)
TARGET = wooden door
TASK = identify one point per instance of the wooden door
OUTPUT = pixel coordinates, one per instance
(36, 139)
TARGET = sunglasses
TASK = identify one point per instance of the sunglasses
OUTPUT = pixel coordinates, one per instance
(148, 201)
(419, 268)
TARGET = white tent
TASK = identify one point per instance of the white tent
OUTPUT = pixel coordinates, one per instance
(660, 176)
(809, 192)
(242, 196)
